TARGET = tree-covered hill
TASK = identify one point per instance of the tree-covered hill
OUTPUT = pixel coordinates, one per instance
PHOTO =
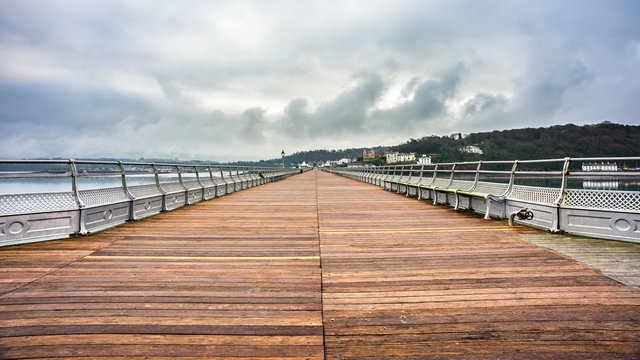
(605, 139)
(317, 156)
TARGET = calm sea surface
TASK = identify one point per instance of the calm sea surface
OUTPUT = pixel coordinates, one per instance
(63, 184)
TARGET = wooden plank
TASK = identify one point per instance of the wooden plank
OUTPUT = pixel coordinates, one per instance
(403, 279)
(235, 277)
(311, 267)
(616, 259)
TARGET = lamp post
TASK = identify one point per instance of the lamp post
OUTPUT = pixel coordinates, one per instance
(282, 153)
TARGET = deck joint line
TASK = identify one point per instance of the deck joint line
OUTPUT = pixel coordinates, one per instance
(324, 345)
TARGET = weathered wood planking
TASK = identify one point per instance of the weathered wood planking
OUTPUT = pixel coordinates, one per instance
(235, 277)
(403, 279)
(618, 260)
(239, 277)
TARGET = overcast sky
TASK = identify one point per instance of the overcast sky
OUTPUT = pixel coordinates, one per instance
(231, 80)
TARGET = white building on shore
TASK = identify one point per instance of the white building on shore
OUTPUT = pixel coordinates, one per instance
(396, 157)
(602, 166)
(424, 160)
(472, 149)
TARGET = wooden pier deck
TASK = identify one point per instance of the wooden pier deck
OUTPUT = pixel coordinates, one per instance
(314, 266)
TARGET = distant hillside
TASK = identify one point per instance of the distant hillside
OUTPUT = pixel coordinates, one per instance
(316, 156)
(605, 139)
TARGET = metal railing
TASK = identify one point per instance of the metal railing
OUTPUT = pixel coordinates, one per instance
(597, 197)
(50, 199)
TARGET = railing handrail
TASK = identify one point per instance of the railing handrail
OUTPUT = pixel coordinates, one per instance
(607, 204)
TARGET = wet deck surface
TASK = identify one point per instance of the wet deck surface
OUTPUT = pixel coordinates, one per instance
(618, 260)
(310, 267)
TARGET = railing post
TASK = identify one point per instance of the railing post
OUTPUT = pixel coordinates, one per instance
(248, 175)
(400, 178)
(74, 183)
(76, 193)
(195, 168)
(124, 181)
(162, 191)
(418, 191)
(435, 174)
(233, 180)
(157, 176)
(186, 190)
(563, 186)
(555, 225)
(226, 187)
(239, 178)
(453, 170)
(512, 178)
(180, 176)
(126, 190)
(477, 178)
(409, 178)
(215, 186)
(395, 167)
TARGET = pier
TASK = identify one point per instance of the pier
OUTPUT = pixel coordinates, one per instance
(313, 266)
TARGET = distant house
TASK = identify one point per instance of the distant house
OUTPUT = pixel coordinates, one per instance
(403, 158)
(392, 157)
(424, 160)
(396, 157)
(344, 160)
(370, 154)
(602, 166)
(472, 149)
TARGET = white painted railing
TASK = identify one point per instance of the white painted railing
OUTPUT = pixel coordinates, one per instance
(52, 199)
(562, 194)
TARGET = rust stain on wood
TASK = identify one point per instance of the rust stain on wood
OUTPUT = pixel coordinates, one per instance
(315, 266)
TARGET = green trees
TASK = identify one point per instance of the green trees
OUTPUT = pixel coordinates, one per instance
(605, 139)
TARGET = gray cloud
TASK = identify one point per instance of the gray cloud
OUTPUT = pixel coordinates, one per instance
(227, 80)
(428, 100)
(253, 127)
(545, 95)
(344, 114)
